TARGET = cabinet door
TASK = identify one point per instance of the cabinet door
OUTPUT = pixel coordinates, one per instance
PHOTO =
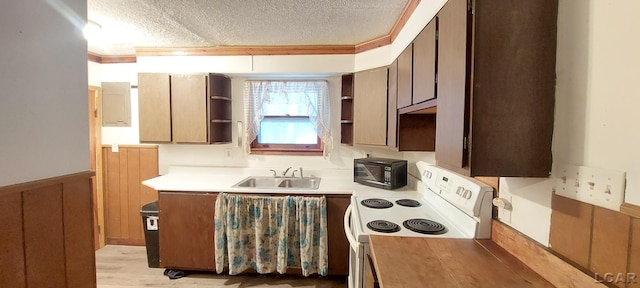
(405, 78)
(189, 108)
(514, 79)
(392, 106)
(370, 107)
(424, 64)
(452, 99)
(186, 230)
(337, 241)
(154, 107)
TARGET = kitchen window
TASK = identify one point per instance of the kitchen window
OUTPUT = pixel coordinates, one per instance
(287, 117)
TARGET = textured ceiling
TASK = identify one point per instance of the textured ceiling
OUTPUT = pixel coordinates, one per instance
(205, 23)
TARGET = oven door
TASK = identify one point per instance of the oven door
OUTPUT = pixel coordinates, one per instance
(356, 253)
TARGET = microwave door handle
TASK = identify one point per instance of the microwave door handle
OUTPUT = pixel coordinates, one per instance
(347, 231)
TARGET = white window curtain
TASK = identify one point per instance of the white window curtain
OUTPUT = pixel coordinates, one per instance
(303, 93)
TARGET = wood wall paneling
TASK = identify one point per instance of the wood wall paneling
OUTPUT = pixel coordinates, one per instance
(79, 249)
(549, 266)
(12, 265)
(570, 233)
(610, 244)
(44, 237)
(124, 192)
(46, 233)
(634, 254)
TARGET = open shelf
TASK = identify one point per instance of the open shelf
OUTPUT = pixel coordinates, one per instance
(346, 114)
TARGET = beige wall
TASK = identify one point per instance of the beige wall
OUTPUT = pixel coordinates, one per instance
(44, 130)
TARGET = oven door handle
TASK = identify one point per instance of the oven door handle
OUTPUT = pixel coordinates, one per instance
(347, 230)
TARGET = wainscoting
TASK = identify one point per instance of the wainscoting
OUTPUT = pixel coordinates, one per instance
(124, 194)
(46, 237)
(600, 241)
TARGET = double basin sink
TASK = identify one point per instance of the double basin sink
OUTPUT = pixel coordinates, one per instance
(266, 182)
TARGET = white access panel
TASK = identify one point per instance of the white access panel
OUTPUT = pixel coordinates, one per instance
(597, 186)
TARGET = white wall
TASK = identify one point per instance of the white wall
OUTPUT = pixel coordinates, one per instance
(43, 90)
(596, 98)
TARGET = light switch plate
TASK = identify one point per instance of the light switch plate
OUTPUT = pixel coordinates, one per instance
(597, 186)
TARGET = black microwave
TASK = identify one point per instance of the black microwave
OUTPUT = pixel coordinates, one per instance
(380, 172)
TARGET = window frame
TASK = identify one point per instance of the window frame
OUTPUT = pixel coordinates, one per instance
(287, 149)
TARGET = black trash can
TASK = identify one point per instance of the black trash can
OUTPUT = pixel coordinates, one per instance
(149, 213)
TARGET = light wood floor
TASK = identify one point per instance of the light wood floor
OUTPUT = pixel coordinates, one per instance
(126, 266)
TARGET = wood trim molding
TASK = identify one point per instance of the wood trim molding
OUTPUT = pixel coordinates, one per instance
(245, 50)
(404, 17)
(94, 57)
(539, 259)
(630, 209)
(46, 182)
(372, 44)
(111, 59)
(153, 146)
(119, 59)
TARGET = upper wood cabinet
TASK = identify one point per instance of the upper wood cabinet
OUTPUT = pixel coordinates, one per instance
(154, 107)
(405, 77)
(189, 108)
(424, 64)
(184, 108)
(370, 107)
(392, 105)
(500, 121)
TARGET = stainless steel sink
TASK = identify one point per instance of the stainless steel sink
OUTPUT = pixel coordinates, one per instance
(280, 182)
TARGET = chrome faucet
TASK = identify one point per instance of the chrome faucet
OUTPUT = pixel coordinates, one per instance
(284, 174)
(275, 174)
(293, 174)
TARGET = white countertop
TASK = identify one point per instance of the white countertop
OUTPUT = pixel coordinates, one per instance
(222, 179)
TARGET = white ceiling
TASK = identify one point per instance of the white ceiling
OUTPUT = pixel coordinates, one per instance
(207, 23)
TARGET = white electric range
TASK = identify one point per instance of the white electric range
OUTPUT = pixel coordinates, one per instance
(447, 205)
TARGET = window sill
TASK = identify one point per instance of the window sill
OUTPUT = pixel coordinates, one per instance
(285, 151)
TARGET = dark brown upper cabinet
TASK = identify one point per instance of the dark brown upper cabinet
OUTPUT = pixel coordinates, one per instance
(496, 86)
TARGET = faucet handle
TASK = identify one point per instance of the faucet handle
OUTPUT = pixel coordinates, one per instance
(284, 174)
(301, 175)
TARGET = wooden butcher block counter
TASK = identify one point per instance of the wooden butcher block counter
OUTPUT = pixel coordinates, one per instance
(438, 262)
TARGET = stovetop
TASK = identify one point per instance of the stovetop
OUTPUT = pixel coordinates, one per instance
(452, 205)
(398, 214)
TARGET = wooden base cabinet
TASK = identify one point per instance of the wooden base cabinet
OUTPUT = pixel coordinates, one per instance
(496, 87)
(186, 230)
(337, 240)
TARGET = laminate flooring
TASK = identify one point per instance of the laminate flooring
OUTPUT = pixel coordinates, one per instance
(126, 266)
